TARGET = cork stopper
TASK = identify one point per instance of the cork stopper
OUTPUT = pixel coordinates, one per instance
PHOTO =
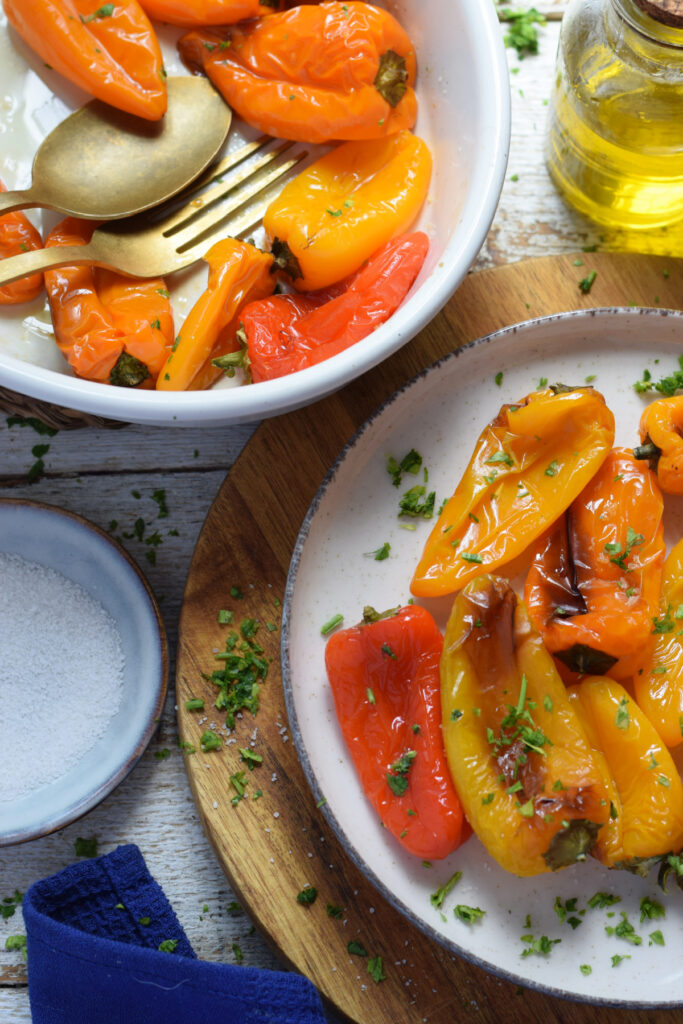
(668, 12)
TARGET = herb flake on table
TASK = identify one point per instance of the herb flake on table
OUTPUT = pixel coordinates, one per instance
(307, 896)
(16, 943)
(85, 847)
(9, 905)
(522, 34)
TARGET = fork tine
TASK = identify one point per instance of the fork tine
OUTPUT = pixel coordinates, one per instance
(197, 231)
(193, 208)
(238, 227)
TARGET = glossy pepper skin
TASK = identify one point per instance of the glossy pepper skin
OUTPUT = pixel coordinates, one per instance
(238, 273)
(661, 433)
(187, 13)
(595, 578)
(111, 328)
(646, 818)
(109, 50)
(287, 333)
(345, 206)
(17, 234)
(331, 71)
(520, 760)
(527, 467)
(384, 677)
(658, 689)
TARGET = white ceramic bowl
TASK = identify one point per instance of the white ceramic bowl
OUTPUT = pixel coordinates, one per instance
(76, 549)
(464, 116)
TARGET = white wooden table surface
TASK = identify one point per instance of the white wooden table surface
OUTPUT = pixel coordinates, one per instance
(97, 474)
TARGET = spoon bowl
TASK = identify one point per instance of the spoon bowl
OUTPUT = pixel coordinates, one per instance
(102, 164)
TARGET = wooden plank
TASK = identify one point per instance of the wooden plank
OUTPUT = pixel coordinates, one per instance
(280, 842)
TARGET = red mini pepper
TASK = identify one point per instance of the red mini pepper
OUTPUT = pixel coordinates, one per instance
(109, 50)
(386, 684)
(17, 234)
(286, 333)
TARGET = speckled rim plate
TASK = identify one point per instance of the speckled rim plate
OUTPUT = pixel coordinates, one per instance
(440, 413)
(85, 554)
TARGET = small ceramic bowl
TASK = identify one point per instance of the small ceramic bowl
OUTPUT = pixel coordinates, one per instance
(88, 557)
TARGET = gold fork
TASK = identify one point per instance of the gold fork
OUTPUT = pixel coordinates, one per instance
(170, 237)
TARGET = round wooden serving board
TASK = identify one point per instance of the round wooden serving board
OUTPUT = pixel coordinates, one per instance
(271, 848)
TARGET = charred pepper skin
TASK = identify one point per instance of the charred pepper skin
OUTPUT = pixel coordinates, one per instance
(528, 465)
(315, 73)
(521, 763)
(111, 51)
(594, 584)
(384, 677)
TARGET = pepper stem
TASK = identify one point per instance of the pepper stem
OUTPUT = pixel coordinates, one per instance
(649, 452)
(391, 78)
(285, 260)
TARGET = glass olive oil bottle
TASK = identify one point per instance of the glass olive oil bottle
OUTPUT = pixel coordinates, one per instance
(615, 133)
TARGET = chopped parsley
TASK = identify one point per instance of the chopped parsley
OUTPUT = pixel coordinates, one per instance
(397, 776)
(586, 283)
(85, 847)
(355, 948)
(410, 463)
(666, 386)
(376, 969)
(10, 904)
(522, 34)
(331, 624)
(614, 550)
(307, 896)
(168, 946)
(437, 898)
(381, 553)
(468, 914)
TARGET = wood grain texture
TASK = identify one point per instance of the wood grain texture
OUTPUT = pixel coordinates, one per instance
(272, 847)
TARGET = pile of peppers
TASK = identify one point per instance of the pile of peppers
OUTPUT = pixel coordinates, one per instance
(560, 710)
(338, 236)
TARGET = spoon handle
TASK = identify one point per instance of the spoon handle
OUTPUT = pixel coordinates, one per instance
(34, 262)
(10, 201)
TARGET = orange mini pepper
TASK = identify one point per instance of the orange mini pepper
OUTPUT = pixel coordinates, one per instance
(646, 816)
(17, 234)
(384, 677)
(595, 578)
(238, 273)
(661, 433)
(187, 13)
(519, 758)
(528, 465)
(109, 50)
(314, 73)
(659, 687)
(111, 328)
(345, 206)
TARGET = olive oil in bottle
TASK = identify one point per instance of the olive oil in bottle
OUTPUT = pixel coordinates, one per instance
(614, 146)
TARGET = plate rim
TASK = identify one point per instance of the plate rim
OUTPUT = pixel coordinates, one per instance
(54, 822)
(625, 313)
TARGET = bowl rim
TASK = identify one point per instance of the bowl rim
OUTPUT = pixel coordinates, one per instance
(269, 398)
(56, 821)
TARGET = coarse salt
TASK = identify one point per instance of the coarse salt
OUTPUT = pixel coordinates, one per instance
(61, 674)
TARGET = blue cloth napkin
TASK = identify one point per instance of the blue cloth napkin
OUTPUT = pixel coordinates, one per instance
(90, 961)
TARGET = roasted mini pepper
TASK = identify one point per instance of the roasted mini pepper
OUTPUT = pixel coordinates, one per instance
(345, 206)
(646, 815)
(384, 676)
(109, 50)
(287, 333)
(661, 434)
(314, 73)
(527, 467)
(520, 760)
(659, 687)
(238, 273)
(208, 12)
(111, 328)
(17, 234)
(595, 578)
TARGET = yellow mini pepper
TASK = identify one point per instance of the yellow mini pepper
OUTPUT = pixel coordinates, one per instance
(659, 688)
(661, 433)
(521, 763)
(339, 211)
(646, 816)
(527, 467)
(238, 273)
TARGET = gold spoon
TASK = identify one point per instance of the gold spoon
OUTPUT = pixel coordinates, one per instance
(101, 163)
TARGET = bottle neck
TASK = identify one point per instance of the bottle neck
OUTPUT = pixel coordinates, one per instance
(646, 26)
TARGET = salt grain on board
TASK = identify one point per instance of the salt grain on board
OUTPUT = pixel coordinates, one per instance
(61, 674)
